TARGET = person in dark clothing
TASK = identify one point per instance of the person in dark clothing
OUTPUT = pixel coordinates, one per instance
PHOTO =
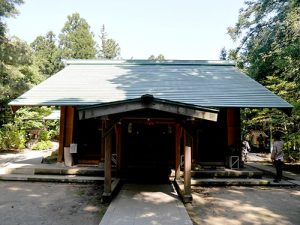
(277, 156)
(261, 143)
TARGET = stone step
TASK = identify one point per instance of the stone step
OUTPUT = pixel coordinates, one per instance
(52, 170)
(226, 174)
(97, 179)
(239, 182)
(51, 178)
(99, 172)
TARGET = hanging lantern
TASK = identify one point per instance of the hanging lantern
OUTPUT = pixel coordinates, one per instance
(129, 128)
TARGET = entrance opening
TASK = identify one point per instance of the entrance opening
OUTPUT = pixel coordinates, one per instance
(88, 139)
(148, 151)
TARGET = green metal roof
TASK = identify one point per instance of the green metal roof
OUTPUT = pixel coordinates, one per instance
(198, 83)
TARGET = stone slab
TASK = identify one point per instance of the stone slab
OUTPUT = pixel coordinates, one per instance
(139, 204)
(51, 178)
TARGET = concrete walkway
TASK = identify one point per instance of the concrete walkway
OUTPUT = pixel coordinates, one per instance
(138, 204)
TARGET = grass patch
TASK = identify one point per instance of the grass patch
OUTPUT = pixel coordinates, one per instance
(42, 145)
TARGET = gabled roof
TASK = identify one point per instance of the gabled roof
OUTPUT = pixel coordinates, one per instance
(198, 83)
(146, 102)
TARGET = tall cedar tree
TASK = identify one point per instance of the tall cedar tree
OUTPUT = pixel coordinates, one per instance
(47, 54)
(110, 49)
(76, 41)
(17, 70)
(7, 9)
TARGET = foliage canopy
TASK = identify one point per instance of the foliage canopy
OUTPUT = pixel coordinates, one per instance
(47, 54)
(76, 41)
(23, 66)
(269, 51)
(7, 9)
(110, 49)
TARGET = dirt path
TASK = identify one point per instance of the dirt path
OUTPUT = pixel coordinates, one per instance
(50, 204)
(26, 203)
(245, 205)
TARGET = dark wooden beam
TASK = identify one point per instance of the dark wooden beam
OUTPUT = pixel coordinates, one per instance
(61, 134)
(69, 125)
(178, 132)
(102, 154)
(107, 163)
(14, 108)
(195, 153)
(160, 106)
(233, 127)
(118, 132)
(187, 167)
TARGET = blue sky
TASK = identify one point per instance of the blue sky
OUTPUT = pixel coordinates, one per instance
(178, 29)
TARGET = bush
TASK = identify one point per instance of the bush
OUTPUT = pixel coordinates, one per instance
(42, 145)
(26, 120)
(292, 146)
(11, 137)
(54, 134)
(53, 128)
(44, 135)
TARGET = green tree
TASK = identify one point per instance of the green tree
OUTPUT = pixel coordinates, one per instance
(160, 57)
(110, 49)
(270, 35)
(269, 51)
(7, 9)
(76, 41)
(270, 42)
(7, 56)
(152, 57)
(18, 73)
(223, 54)
(47, 54)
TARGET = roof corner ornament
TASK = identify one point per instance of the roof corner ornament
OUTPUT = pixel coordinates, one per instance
(147, 99)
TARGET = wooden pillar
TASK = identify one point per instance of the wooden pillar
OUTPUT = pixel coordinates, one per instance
(178, 132)
(118, 131)
(66, 129)
(69, 125)
(233, 126)
(61, 134)
(107, 162)
(187, 165)
(195, 153)
(102, 153)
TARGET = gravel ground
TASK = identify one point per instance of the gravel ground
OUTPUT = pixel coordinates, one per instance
(259, 157)
(25, 203)
(245, 206)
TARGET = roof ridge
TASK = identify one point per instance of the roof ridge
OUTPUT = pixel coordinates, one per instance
(147, 62)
